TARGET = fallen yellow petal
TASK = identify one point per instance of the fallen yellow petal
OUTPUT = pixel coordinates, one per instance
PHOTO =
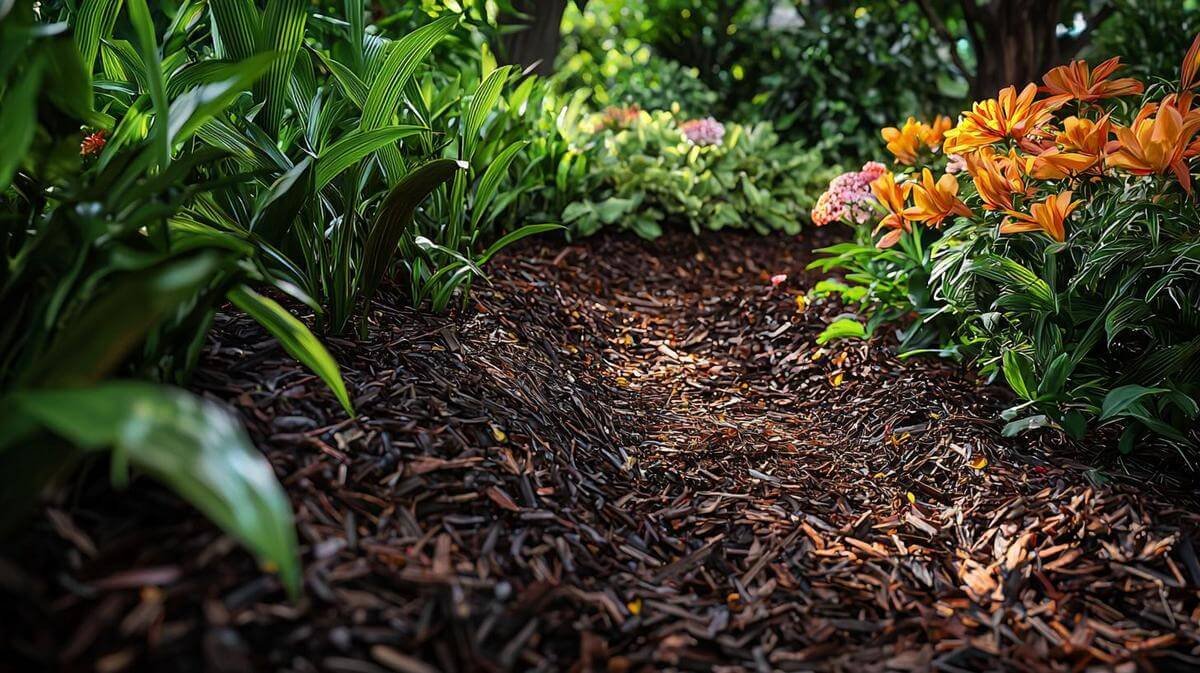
(978, 462)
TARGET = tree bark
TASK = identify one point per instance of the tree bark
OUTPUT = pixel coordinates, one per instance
(1015, 41)
(535, 44)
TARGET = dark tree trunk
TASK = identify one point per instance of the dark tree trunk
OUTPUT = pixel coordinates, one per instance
(1014, 41)
(537, 41)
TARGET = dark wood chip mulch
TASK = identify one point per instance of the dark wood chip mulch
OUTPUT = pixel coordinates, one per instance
(624, 457)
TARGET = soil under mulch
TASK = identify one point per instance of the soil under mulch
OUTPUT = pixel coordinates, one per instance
(624, 457)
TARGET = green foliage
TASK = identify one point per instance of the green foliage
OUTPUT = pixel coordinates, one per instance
(828, 76)
(617, 68)
(1106, 325)
(1149, 35)
(649, 175)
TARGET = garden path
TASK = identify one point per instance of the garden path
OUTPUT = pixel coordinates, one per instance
(628, 456)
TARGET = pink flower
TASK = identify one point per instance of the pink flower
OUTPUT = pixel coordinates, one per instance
(707, 131)
(955, 164)
(778, 279)
(849, 197)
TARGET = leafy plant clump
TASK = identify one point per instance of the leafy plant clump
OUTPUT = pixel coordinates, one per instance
(647, 170)
(162, 163)
(1056, 243)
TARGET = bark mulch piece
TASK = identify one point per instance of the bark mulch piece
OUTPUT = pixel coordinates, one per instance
(625, 457)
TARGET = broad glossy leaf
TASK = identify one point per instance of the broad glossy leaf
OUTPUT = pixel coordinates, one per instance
(1122, 399)
(192, 445)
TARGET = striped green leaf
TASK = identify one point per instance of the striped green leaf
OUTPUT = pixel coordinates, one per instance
(404, 55)
(93, 23)
(490, 182)
(355, 146)
(282, 32)
(192, 445)
(482, 104)
(237, 24)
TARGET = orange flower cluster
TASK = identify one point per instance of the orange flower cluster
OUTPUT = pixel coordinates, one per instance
(932, 202)
(1025, 160)
(906, 142)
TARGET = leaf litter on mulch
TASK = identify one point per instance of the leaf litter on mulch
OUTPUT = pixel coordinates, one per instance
(625, 457)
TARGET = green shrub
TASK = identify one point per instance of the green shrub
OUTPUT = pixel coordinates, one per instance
(649, 174)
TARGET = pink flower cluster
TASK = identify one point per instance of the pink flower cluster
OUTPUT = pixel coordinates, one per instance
(707, 131)
(849, 197)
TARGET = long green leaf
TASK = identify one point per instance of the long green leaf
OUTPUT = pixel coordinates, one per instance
(514, 236)
(482, 103)
(490, 181)
(192, 445)
(195, 108)
(237, 23)
(94, 343)
(404, 55)
(282, 32)
(143, 25)
(396, 216)
(295, 338)
(18, 122)
(93, 23)
(355, 146)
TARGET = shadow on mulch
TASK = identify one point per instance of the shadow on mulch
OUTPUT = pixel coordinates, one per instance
(623, 457)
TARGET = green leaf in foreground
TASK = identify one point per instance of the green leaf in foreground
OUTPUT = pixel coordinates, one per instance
(190, 444)
(295, 338)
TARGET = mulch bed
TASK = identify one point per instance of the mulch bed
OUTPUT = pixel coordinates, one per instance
(625, 457)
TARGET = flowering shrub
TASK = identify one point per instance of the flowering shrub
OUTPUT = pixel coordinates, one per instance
(1065, 257)
(701, 173)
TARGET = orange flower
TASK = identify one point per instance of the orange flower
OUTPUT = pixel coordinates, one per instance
(1009, 115)
(892, 197)
(1047, 216)
(1076, 81)
(1157, 140)
(1191, 63)
(933, 201)
(1083, 143)
(933, 134)
(997, 178)
(904, 142)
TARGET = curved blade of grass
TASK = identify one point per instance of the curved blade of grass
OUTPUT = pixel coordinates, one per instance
(514, 236)
(194, 446)
(295, 338)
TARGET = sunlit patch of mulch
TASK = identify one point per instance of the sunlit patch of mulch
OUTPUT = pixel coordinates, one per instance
(626, 457)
